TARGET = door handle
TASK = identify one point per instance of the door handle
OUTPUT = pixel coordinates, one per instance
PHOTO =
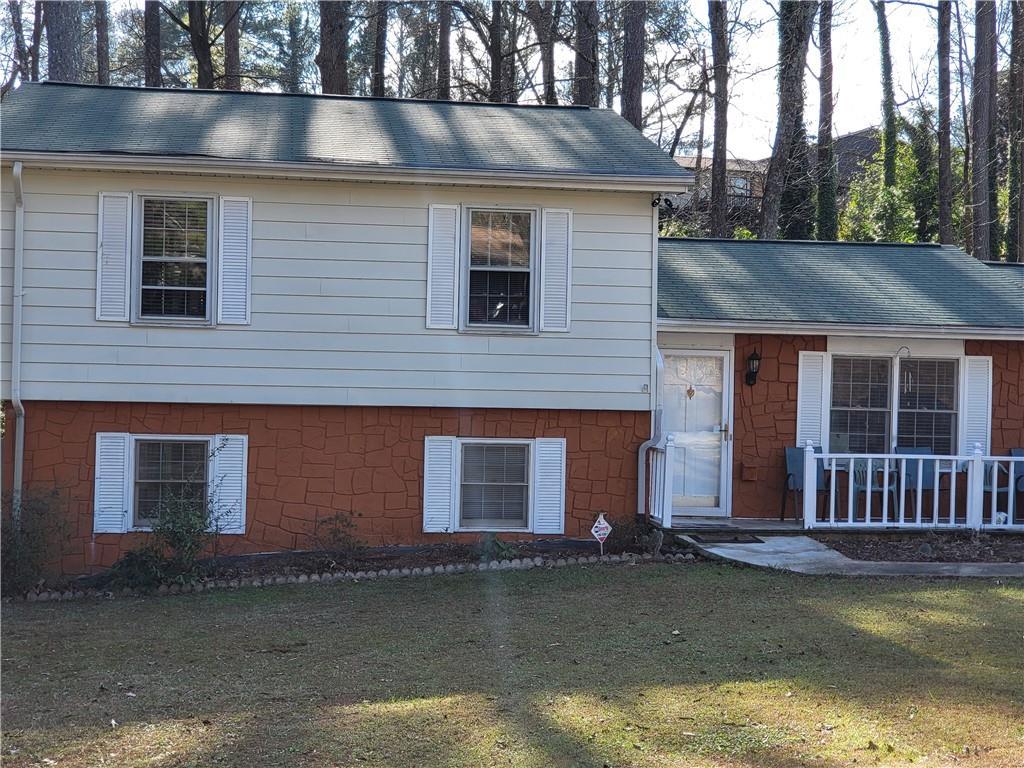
(725, 433)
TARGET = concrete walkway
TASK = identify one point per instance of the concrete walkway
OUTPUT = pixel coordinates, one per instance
(802, 554)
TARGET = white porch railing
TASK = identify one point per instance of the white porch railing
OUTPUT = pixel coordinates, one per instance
(659, 486)
(900, 490)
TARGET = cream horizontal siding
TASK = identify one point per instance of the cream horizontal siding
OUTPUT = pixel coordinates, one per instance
(338, 304)
(6, 279)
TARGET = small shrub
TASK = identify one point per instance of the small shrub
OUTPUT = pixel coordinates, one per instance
(630, 535)
(143, 569)
(490, 547)
(30, 539)
(336, 534)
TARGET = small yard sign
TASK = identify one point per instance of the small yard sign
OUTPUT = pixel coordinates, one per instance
(601, 530)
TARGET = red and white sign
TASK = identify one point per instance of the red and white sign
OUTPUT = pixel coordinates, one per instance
(601, 528)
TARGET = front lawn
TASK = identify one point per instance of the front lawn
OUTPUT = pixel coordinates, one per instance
(655, 665)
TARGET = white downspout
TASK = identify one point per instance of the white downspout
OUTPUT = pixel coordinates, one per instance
(19, 291)
(641, 466)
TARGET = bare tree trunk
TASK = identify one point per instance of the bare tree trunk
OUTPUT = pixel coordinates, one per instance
(21, 51)
(380, 48)
(720, 65)
(967, 224)
(698, 174)
(634, 16)
(332, 58)
(64, 58)
(1015, 225)
(102, 43)
(198, 29)
(444, 49)
(888, 98)
(496, 92)
(232, 9)
(827, 210)
(542, 17)
(945, 150)
(795, 22)
(981, 123)
(151, 44)
(37, 40)
(585, 86)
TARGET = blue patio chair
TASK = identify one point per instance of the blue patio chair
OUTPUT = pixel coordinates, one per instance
(866, 479)
(929, 480)
(795, 479)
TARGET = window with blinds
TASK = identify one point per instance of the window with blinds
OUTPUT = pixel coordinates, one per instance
(495, 489)
(860, 417)
(500, 263)
(170, 477)
(928, 405)
(175, 274)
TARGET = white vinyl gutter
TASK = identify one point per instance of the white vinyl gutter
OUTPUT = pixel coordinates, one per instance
(843, 329)
(16, 312)
(200, 165)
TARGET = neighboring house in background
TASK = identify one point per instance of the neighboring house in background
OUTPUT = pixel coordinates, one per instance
(745, 180)
(445, 319)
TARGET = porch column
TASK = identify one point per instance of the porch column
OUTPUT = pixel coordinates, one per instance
(810, 498)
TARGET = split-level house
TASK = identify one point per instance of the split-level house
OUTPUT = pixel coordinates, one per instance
(442, 319)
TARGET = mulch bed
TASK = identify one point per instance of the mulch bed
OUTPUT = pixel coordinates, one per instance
(288, 563)
(929, 547)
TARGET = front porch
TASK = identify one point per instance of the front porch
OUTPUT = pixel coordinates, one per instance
(862, 491)
(726, 456)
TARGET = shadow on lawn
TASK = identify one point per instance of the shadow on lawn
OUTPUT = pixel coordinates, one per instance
(576, 667)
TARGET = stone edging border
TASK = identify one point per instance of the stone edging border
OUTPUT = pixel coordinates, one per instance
(515, 564)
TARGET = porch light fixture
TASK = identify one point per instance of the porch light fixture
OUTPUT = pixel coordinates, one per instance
(753, 365)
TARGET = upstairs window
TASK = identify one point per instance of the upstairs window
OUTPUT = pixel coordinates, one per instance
(174, 273)
(739, 186)
(500, 268)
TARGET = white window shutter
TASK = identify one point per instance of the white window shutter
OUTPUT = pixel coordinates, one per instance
(976, 405)
(112, 489)
(549, 485)
(811, 390)
(555, 269)
(228, 481)
(443, 267)
(113, 256)
(440, 456)
(234, 267)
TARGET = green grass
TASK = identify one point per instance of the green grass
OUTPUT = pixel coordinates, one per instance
(656, 665)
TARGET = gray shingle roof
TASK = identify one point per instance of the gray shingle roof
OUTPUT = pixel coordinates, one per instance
(388, 133)
(841, 283)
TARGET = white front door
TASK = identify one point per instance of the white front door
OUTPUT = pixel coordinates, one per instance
(696, 396)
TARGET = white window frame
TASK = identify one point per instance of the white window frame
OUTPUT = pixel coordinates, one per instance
(739, 186)
(464, 270)
(531, 458)
(898, 370)
(130, 469)
(212, 227)
(894, 378)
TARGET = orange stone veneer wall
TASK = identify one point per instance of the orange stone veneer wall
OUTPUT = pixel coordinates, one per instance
(308, 462)
(1007, 391)
(765, 421)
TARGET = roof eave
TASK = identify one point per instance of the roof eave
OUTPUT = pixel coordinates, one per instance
(333, 171)
(843, 329)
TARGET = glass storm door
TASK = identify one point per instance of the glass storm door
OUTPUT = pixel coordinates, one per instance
(696, 395)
